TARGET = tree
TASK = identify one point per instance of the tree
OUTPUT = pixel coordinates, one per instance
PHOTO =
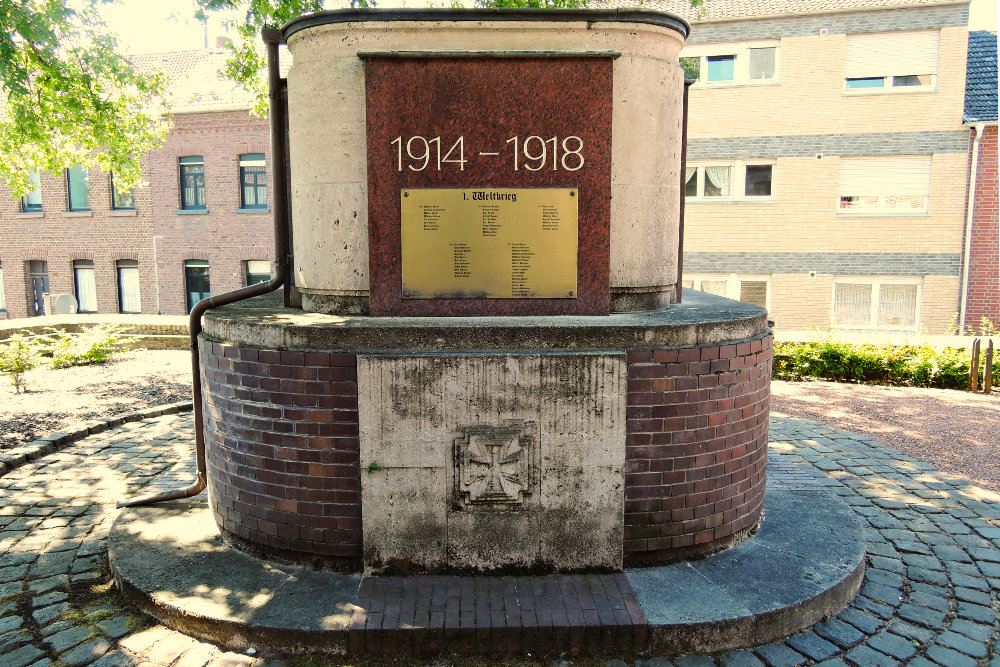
(246, 66)
(247, 63)
(69, 97)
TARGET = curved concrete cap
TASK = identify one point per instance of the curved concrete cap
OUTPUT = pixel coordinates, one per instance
(806, 562)
(702, 319)
(618, 15)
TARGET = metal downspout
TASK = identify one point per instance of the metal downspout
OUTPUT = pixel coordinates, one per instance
(273, 39)
(680, 225)
(966, 259)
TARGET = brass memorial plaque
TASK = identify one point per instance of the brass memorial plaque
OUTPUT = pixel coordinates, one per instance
(496, 243)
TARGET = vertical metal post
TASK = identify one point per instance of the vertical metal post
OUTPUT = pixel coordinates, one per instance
(680, 226)
(988, 371)
(974, 366)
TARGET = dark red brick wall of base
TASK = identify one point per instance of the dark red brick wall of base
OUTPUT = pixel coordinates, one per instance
(282, 450)
(696, 448)
(282, 445)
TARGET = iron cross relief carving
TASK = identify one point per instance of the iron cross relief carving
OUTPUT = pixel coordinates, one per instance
(491, 466)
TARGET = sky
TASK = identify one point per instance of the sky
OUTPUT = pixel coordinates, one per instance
(154, 26)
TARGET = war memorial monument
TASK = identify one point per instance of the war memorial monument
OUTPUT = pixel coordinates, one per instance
(486, 418)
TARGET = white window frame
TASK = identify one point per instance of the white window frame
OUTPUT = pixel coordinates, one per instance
(888, 86)
(3, 298)
(741, 73)
(738, 176)
(876, 283)
(733, 283)
(880, 210)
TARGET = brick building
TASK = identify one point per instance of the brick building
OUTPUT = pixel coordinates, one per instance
(202, 224)
(982, 246)
(828, 170)
(827, 159)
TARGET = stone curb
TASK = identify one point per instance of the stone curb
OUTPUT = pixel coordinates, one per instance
(18, 456)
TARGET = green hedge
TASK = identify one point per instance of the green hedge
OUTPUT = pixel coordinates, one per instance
(879, 364)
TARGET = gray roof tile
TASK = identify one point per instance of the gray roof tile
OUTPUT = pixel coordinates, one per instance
(981, 77)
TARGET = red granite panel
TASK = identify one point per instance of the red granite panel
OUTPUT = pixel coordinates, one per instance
(696, 446)
(487, 101)
(283, 461)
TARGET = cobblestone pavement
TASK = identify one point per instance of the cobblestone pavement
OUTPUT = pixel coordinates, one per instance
(930, 595)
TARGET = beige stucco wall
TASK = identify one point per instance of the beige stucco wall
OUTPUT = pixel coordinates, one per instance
(328, 151)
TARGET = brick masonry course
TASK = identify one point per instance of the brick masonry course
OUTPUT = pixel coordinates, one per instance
(63, 504)
(284, 455)
(984, 267)
(696, 435)
(282, 450)
(809, 145)
(829, 263)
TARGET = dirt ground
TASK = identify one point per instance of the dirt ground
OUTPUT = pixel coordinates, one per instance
(57, 398)
(956, 431)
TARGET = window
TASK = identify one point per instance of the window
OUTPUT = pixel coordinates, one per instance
(750, 289)
(762, 63)
(192, 170)
(196, 284)
(258, 271)
(78, 185)
(732, 181)
(720, 68)
(3, 299)
(897, 62)
(121, 199)
(128, 286)
(253, 181)
(885, 185)
(731, 64)
(32, 202)
(85, 285)
(875, 304)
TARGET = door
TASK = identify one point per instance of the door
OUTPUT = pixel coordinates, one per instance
(196, 281)
(38, 272)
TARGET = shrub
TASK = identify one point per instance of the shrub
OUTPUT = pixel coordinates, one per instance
(93, 345)
(877, 364)
(18, 355)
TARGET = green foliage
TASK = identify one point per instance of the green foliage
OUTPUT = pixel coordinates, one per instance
(877, 364)
(373, 467)
(535, 4)
(691, 67)
(247, 63)
(69, 97)
(93, 345)
(18, 355)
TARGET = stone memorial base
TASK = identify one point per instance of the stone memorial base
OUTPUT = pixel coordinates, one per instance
(486, 444)
(805, 564)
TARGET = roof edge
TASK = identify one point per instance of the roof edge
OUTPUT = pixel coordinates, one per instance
(830, 12)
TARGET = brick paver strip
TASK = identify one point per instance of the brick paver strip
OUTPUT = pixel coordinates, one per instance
(503, 611)
(61, 504)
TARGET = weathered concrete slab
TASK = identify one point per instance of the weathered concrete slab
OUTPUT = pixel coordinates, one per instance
(171, 562)
(806, 562)
(490, 462)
